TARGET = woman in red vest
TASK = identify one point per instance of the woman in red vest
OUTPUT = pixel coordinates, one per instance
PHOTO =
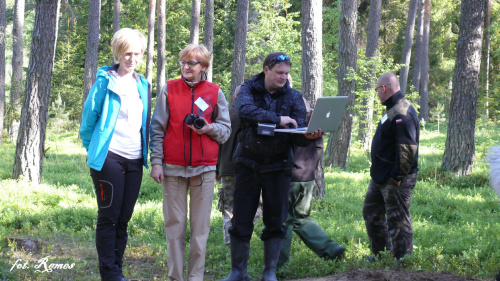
(190, 119)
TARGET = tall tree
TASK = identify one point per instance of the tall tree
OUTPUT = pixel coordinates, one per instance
(366, 116)
(487, 58)
(424, 67)
(116, 15)
(339, 142)
(151, 40)
(194, 36)
(3, 23)
(312, 69)
(208, 38)
(410, 26)
(16, 88)
(419, 50)
(28, 159)
(160, 46)
(460, 147)
(312, 55)
(92, 50)
(240, 43)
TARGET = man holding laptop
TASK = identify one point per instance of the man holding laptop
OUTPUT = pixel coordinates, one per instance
(263, 163)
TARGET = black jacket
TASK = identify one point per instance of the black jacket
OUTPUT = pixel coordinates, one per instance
(395, 144)
(225, 166)
(255, 104)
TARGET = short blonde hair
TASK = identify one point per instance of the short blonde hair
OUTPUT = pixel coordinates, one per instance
(126, 39)
(199, 52)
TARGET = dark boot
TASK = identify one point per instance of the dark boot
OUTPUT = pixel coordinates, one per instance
(272, 249)
(239, 259)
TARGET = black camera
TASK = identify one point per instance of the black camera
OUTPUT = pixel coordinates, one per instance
(195, 120)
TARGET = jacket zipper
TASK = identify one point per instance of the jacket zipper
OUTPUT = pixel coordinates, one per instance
(191, 131)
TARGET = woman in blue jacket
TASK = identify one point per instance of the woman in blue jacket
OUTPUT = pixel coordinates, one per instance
(115, 132)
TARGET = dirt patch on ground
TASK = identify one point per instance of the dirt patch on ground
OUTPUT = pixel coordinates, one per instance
(391, 275)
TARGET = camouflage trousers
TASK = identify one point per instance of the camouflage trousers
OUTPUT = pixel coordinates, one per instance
(386, 211)
(225, 205)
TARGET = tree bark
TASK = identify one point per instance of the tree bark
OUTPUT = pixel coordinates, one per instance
(208, 38)
(460, 148)
(28, 159)
(366, 116)
(419, 47)
(487, 58)
(312, 69)
(240, 43)
(151, 41)
(92, 50)
(424, 71)
(116, 15)
(194, 36)
(3, 23)
(160, 46)
(339, 141)
(410, 27)
(16, 88)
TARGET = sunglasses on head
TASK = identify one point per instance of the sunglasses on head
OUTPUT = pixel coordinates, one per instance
(280, 58)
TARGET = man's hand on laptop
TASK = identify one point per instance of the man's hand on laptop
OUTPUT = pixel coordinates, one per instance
(287, 122)
(316, 134)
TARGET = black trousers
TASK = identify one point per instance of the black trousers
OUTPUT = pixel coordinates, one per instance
(248, 185)
(117, 187)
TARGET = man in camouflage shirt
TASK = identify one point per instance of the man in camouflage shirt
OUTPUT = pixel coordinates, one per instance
(393, 172)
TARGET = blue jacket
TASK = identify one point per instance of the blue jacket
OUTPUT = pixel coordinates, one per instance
(100, 113)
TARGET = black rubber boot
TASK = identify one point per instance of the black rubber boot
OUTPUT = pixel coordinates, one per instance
(272, 249)
(239, 259)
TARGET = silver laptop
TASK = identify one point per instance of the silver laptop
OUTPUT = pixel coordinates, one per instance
(326, 116)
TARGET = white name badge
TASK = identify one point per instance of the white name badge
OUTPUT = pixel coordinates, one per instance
(384, 118)
(201, 104)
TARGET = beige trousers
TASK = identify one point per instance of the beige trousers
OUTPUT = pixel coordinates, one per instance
(175, 209)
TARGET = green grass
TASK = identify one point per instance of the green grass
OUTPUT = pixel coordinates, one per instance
(456, 220)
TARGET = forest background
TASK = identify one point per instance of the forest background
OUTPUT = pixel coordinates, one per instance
(272, 25)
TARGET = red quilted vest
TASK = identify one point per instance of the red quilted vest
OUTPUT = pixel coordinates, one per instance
(181, 145)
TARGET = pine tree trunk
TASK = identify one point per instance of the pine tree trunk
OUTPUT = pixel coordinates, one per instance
(339, 141)
(3, 23)
(160, 46)
(312, 68)
(460, 147)
(208, 38)
(116, 15)
(29, 155)
(410, 27)
(194, 36)
(366, 115)
(424, 71)
(419, 47)
(92, 50)
(240, 42)
(16, 88)
(487, 58)
(151, 41)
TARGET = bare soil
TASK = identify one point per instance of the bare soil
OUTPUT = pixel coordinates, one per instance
(391, 275)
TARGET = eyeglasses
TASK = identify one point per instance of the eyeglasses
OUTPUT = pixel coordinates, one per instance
(189, 63)
(280, 58)
(376, 88)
